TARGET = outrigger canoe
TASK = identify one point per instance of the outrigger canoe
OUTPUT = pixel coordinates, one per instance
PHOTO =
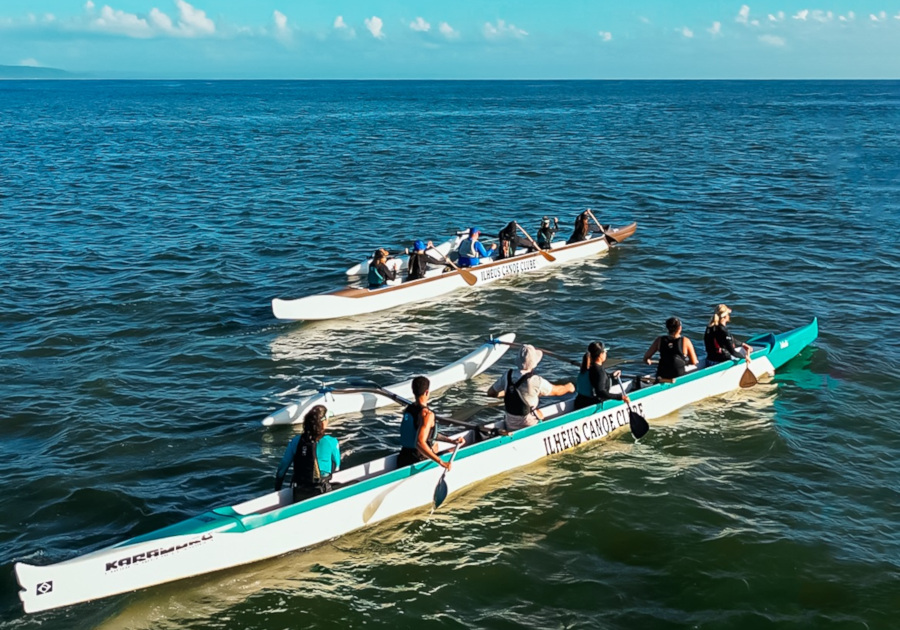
(351, 301)
(343, 402)
(271, 525)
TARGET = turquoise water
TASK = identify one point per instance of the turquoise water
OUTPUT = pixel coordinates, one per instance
(147, 225)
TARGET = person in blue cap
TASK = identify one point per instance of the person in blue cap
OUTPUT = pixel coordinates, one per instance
(470, 250)
(419, 260)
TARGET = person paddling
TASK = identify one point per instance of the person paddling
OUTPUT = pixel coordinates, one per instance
(419, 260)
(593, 382)
(380, 271)
(314, 455)
(676, 352)
(582, 228)
(418, 430)
(471, 251)
(521, 390)
(720, 345)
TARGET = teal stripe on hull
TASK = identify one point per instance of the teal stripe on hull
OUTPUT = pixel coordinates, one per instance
(778, 348)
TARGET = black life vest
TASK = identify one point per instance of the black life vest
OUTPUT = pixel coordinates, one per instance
(513, 402)
(418, 265)
(306, 463)
(672, 359)
(507, 240)
(715, 351)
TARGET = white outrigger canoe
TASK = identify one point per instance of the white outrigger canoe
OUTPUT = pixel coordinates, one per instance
(271, 525)
(339, 403)
(351, 301)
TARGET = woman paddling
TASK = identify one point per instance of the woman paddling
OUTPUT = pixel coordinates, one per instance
(315, 457)
(676, 352)
(719, 343)
(593, 382)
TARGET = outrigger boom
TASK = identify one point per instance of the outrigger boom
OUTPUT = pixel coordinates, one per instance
(271, 525)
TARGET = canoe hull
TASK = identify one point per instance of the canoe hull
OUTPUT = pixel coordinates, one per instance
(269, 525)
(354, 301)
(339, 403)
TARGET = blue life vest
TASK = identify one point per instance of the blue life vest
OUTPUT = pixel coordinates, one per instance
(409, 427)
(467, 249)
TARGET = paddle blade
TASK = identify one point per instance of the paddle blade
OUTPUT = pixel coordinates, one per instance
(638, 424)
(547, 255)
(440, 492)
(748, 379)
(469, 277)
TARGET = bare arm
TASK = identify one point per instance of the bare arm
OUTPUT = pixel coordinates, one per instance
(689, 350)
(560, 390)
(653, 349)
(422, 439)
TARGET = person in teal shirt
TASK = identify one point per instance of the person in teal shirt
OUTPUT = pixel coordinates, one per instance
(314, 455)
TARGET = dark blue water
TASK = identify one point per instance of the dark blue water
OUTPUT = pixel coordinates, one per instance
(147, 225)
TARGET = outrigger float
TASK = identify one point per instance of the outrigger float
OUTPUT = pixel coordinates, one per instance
(271, 525)
(339, 402)
(351, 301)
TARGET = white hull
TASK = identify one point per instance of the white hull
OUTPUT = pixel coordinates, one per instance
(269, 525)
(339, 403)
(358, 301)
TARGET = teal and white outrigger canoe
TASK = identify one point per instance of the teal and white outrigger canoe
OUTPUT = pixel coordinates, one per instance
(270, 525)
(343, 402)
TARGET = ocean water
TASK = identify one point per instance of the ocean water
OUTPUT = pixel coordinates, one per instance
(147, 225)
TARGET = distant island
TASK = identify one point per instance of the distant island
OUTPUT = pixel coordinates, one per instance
(34, 72)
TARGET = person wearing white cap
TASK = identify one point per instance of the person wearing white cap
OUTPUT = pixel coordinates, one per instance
(720, 346)
(521, 390)
(471, 251)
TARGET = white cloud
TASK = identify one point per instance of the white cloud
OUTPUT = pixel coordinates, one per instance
(773, 40)
(822, 16)
(448, 31)
(283, 32)
(849, 17)
(881, 17)
(419, 24)
(801, 15)
(161, 21)
(343, 28)
(31, 63)
(605, 35)
(374, 24)
(686, 32)
(644, 19)
(897, 17)
(777, 17)
(502, 29)
(715, 30)
(192, 21)
(89, 5)
(743, 15)
(117, 21)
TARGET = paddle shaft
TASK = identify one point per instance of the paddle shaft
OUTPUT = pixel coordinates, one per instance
(402, 401)
(468, 276)
(543, 253)
(558, 357)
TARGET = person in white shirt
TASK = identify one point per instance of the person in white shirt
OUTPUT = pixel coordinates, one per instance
(521, 390)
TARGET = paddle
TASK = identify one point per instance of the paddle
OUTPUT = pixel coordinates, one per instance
(542, 252)
(558, 357)
(402, 401)
(609, 237)
(441, 490)
(468, 276)
(748, 378)
(636, 422)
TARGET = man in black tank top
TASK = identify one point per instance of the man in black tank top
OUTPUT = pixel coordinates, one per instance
(676, 352)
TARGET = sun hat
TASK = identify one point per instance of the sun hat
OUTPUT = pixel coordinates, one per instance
(529, 357)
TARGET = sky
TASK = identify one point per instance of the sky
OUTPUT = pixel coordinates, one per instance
(462, 39)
